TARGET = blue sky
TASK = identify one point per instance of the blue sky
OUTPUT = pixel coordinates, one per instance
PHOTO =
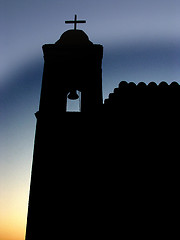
(141, 40)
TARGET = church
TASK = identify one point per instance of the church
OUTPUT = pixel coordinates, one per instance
(74, 64)
(76, 183)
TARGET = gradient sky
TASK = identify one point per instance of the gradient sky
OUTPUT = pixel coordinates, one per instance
(141, 40)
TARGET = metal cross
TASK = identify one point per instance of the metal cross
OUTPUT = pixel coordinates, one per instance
(75, 22)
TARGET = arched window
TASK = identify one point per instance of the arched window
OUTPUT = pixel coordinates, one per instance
(74, 105)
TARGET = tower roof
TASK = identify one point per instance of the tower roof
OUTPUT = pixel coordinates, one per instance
(74, 38)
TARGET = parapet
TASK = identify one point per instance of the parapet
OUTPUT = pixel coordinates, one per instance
(141, 97)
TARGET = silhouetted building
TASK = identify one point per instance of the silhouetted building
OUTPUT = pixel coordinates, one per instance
(143, 99)
(72, 63)
(81, 165)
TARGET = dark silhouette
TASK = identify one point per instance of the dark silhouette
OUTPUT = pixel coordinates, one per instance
(82, 163)
(142, 99)
(72, 63)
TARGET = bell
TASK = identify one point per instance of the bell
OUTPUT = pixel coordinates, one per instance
(73, 95)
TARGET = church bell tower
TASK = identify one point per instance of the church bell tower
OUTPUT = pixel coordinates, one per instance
(72, 64)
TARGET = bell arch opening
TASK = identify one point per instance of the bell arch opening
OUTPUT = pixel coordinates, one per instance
(73, 103)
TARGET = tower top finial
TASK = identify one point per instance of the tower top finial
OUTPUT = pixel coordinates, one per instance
(75, 22)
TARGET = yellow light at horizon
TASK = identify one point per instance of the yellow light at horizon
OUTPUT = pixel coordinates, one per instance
(13, 216)
(13, 209)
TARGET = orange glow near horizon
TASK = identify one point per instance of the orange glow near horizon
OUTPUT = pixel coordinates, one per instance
(14, 195)
(13, 217)
(13, 225)
(10, 230)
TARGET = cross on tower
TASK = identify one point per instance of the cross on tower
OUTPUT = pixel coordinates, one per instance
(75, 22)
